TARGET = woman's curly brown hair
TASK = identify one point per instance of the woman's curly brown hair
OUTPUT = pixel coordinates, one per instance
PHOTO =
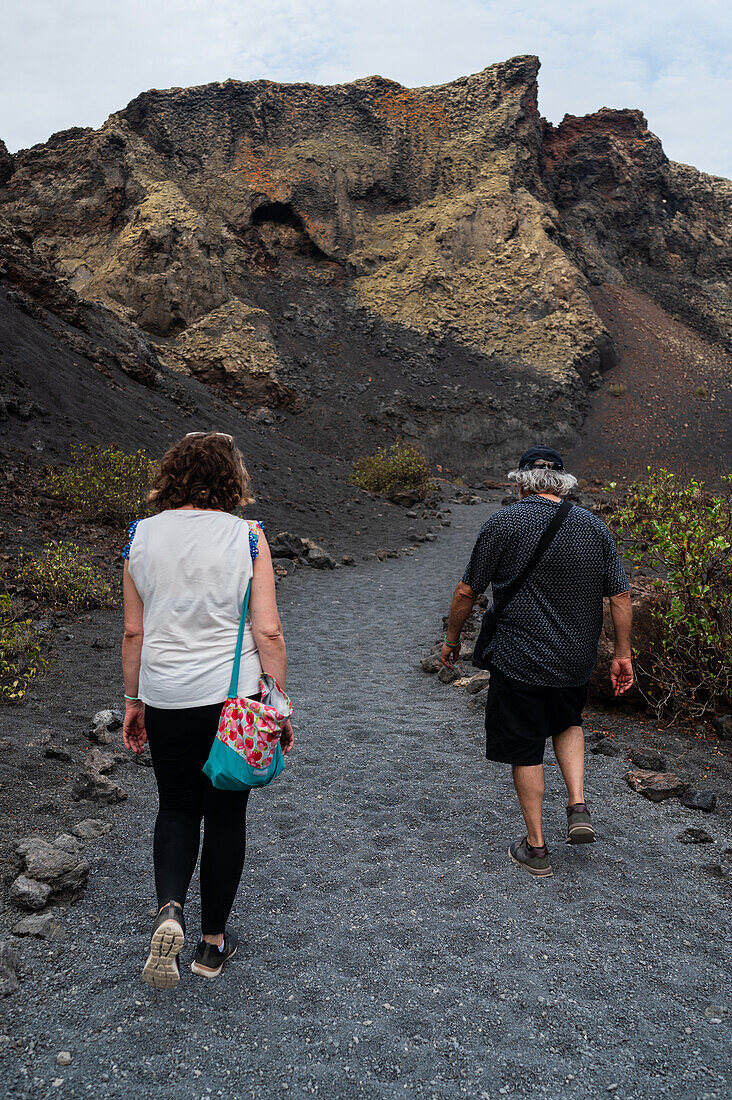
(206, 470)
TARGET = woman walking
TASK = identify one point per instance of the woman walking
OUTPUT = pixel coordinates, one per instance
(185, 578)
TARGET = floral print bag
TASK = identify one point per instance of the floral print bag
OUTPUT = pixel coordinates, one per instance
(246, 752)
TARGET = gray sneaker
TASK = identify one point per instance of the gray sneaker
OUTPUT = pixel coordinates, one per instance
(168, 935)
(579, 825)
(522, 853)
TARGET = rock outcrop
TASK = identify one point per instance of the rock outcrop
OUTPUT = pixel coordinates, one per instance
(414, 262)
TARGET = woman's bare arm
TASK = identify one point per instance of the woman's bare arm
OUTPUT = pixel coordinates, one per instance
(267, 627)
(134, 734)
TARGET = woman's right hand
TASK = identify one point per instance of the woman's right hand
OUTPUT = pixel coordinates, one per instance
(287, 737)
(134, 733)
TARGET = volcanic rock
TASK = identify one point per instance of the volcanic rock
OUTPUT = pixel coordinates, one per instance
(699, 800)
(110, 717)
(91, 828)
(604, 747)
(647, 759)
(656, 786)
(64, 872)
(94, 786)
(28, 893)
(478, 682)
(42, 925)
(447, 675)
(318, 558)
(695, 836)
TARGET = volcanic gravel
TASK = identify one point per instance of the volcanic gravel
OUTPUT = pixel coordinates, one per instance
(389, 946)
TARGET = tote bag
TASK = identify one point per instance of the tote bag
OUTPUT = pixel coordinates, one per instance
(246, 752)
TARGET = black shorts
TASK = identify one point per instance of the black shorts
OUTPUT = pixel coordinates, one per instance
(520, 717)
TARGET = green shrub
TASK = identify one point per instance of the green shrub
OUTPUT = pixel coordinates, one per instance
(103, 483)
(684, 534)
(395, 469)
(21, 659)
(63, 576)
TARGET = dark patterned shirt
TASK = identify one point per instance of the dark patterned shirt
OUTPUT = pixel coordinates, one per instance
(548, 633)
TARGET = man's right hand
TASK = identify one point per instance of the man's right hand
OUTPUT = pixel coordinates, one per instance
(449, 654)
(621, 675)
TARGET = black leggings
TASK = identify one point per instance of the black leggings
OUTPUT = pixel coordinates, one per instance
(180, 741)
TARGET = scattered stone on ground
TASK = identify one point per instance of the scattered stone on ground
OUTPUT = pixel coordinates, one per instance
(56, 752)
(647, 759)
(478, 682)
(432, 663)
(715, 1013)
(695, 836)
(63, 1058)
(93, 783)
(28, 893)
(9, 968)
(657, 786)
(110, 717)
(605, 747)
(723, 868)
(44, 926)
(699, 800)
(104, 724)
(319, 559)
(64, 872)
(446, 675)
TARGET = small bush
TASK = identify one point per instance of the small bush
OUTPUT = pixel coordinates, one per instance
(63, 576)
(684, 534)
(21, 659)
(103, 483)
(390, 470)
(617, 389)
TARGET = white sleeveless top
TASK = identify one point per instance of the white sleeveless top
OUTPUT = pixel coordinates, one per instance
(192, 569)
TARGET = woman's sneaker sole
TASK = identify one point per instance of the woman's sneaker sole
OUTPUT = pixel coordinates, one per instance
(580, 834)
(537, 872)
(161, 969)
(206, 972)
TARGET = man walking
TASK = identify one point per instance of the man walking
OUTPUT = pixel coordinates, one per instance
(544, 647)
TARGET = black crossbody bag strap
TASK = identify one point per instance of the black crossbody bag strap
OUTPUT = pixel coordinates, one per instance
(492, 615)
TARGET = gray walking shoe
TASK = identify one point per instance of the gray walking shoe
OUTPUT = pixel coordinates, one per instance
(579, 825)
(168, 935)
(209, 961)
(522, 853)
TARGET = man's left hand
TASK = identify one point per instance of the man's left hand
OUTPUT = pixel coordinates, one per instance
(449, 654)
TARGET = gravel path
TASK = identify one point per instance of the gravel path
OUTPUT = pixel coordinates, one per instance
(392, 950)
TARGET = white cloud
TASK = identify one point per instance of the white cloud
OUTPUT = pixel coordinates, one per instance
(73, 62)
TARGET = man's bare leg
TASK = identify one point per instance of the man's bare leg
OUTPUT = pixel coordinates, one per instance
(569, 749)
(529, 784)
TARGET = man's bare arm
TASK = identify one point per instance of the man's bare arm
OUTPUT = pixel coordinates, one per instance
(621, 669)
(462, 604)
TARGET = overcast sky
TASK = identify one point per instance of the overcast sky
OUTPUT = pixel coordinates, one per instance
(74, 62)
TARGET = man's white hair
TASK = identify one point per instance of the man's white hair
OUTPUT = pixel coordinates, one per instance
(541, 480)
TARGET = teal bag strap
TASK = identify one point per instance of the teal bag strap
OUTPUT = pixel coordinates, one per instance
(234, 685)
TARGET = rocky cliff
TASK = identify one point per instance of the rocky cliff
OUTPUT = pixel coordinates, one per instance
(372, 260)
